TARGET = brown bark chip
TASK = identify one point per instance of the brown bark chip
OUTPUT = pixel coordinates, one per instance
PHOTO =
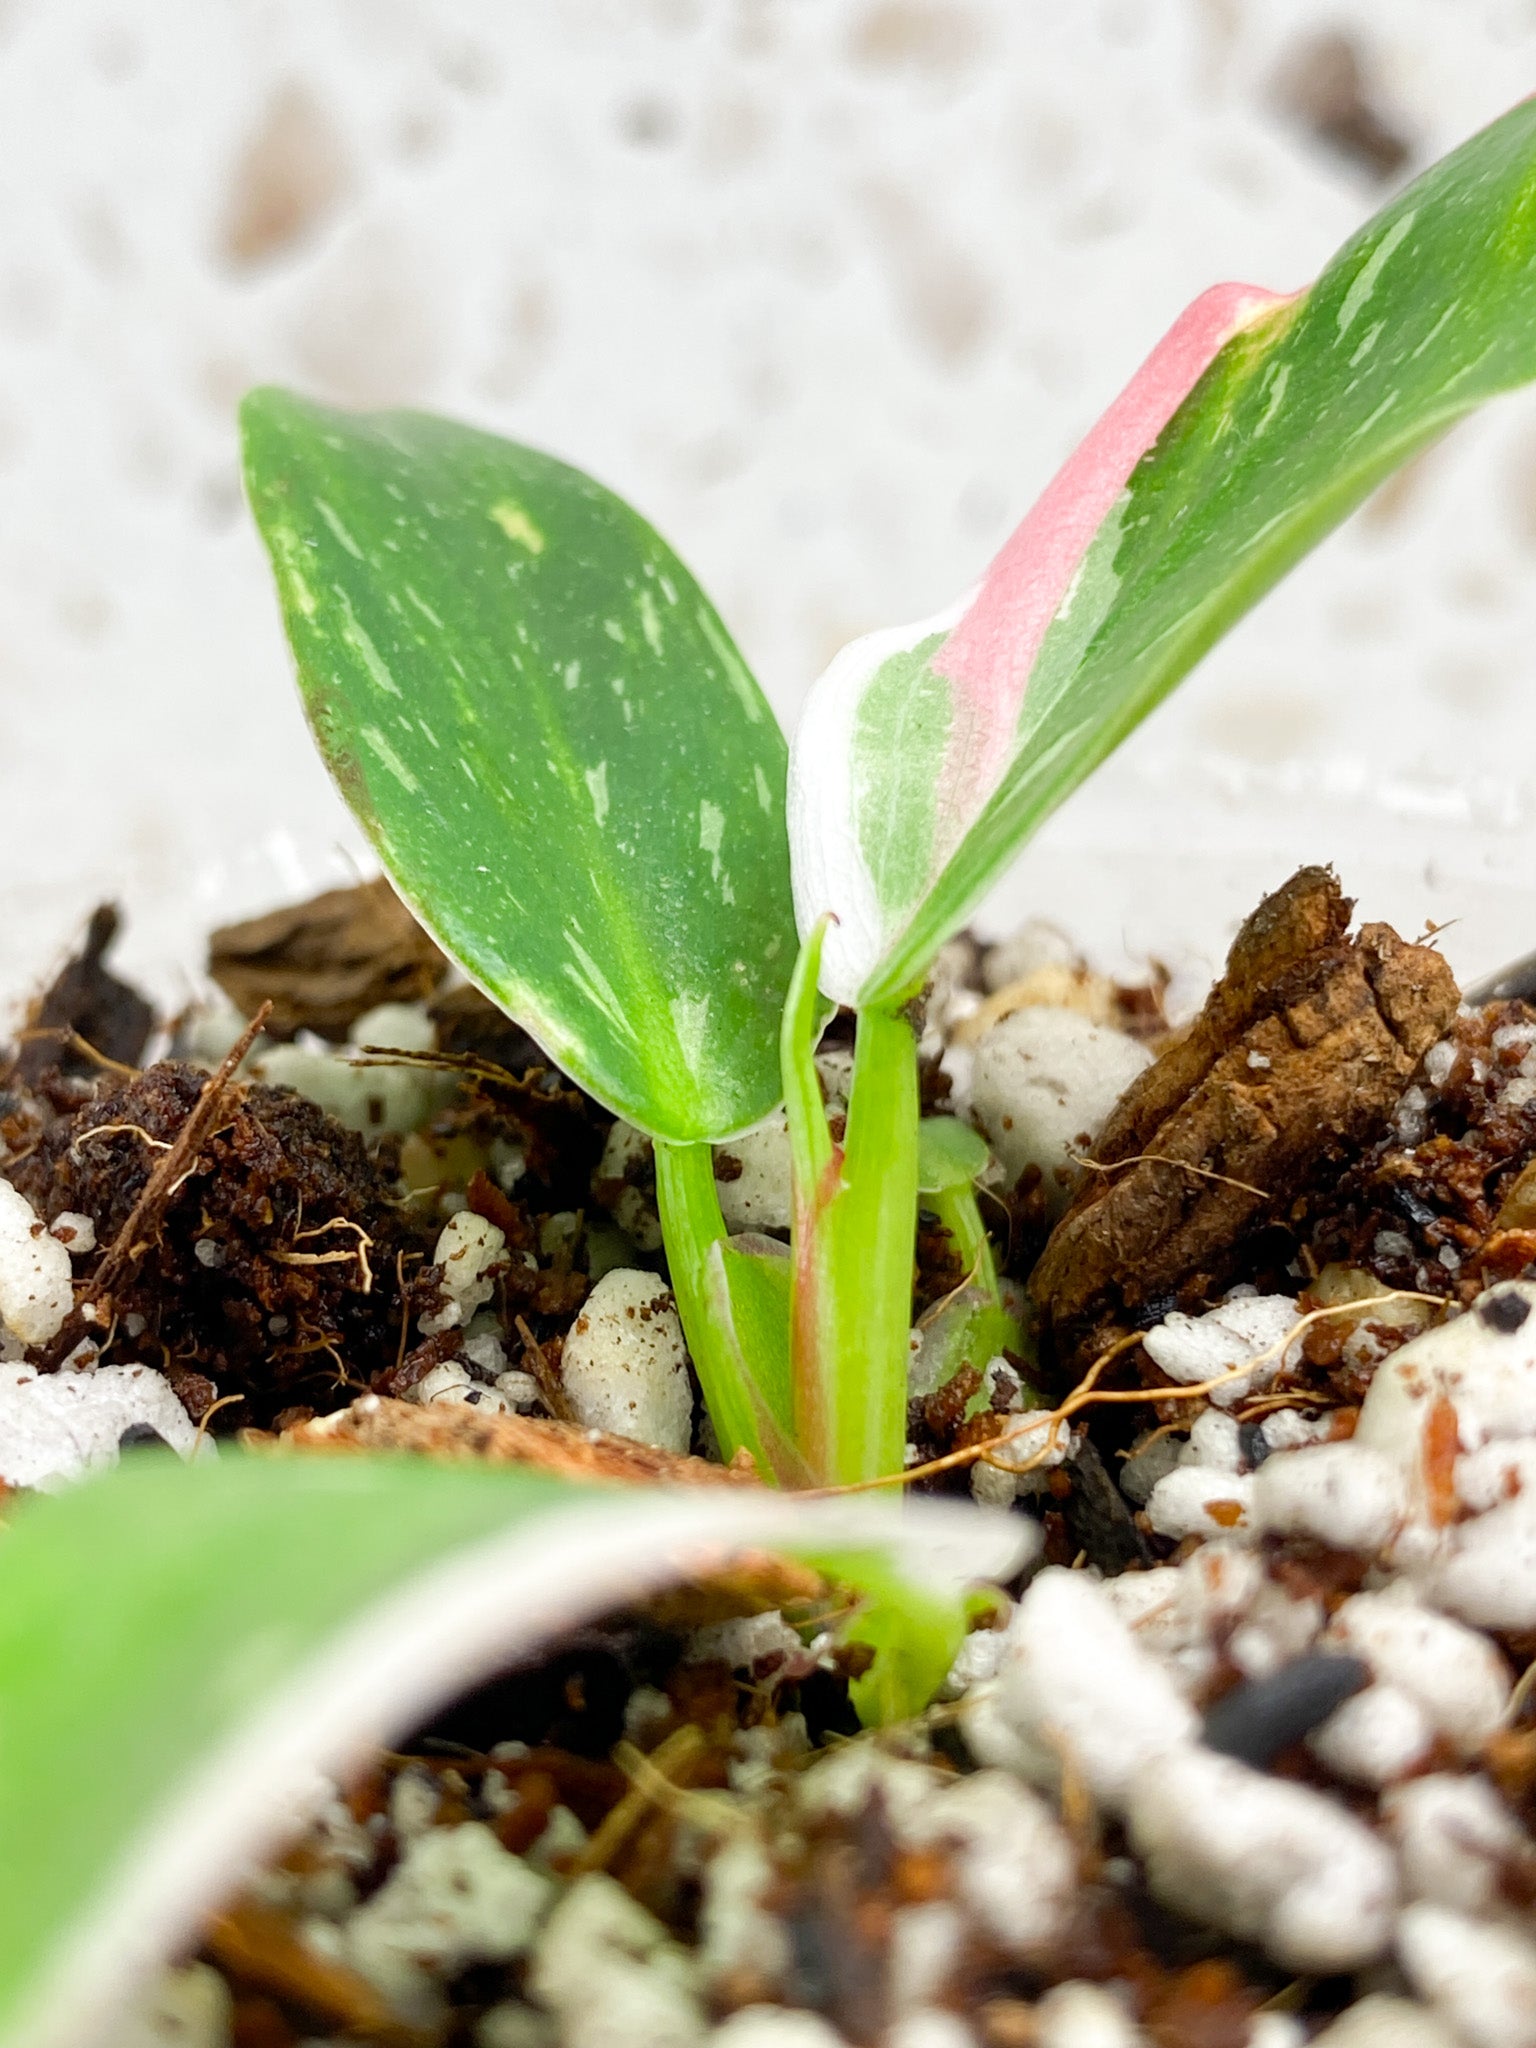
(85, 1001)
(1299, 1056)
(322, 964)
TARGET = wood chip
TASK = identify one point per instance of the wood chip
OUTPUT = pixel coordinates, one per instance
(1298, 1058)
(322, 964)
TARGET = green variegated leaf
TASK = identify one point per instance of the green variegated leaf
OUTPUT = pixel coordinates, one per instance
(928, 754)
(183, 1649)
(565, 766)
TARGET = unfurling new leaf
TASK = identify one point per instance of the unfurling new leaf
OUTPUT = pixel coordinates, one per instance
(927, 754)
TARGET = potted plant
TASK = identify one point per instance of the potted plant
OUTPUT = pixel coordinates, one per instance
(576, 785)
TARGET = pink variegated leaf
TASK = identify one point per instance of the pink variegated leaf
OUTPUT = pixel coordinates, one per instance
(927, 754)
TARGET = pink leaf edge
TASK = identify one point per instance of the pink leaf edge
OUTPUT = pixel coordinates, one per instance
(990, 653)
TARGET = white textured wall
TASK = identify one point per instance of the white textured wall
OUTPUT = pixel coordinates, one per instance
(827, 286)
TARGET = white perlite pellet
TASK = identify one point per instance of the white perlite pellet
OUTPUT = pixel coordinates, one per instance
(752, 1172)
(1382, 2022)
(512, 2025)
(188, 2008)
(1015, 1870)
(1455, 1674)
(737, 1930)
(456, 1897)
(469, 1250)
(1079, 2015)
(57, 1426)
(744, 1641)
(1377, 1736)
(625, 1364)
(1201, 1500)
(1073, 1680)
(1193, 1349)
(1485, 1570)
(1344, 1495)
(1262, 1859)
(1480, 1979)
(611, 1973)
(775, 2026)
(36, 1292)
(75, 1231)
(929, 2028)
(626, 1158)
(1483, 1363)
(1042, 1084)
(1456, 1838)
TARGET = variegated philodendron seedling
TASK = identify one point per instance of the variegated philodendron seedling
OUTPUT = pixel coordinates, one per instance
(572, 778)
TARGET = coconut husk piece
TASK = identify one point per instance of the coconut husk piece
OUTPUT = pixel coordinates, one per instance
(323, 963)
(1297, 1060)
(459, 1433)
(748, 1581)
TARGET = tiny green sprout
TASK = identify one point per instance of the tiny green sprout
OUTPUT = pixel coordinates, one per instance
(573, 779)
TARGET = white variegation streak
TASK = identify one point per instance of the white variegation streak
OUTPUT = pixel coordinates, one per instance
(828, 869)
(994, 637)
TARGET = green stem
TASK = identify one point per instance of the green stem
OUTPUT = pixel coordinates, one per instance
(690, 1223)
(854, 1220)
(959, 1213)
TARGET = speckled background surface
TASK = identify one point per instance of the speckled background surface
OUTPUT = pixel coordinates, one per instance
(828, 286)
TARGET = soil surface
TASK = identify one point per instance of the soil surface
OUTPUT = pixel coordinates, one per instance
(352, 1252)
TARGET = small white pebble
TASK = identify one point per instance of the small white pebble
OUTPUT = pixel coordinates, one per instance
(1288, 1429)
(36, 1291)
(414, 1799)
(1480, 1979)
(752, 1178)
(927, 1943)
(738, 1932)
(1264, 1859)
(1342, 1495)
(1278, 1626)
(483, 1348)
(1275, 2030)
(624, 1365)
(1015, 1870)
(1438, 1062)
(1074, 1678)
